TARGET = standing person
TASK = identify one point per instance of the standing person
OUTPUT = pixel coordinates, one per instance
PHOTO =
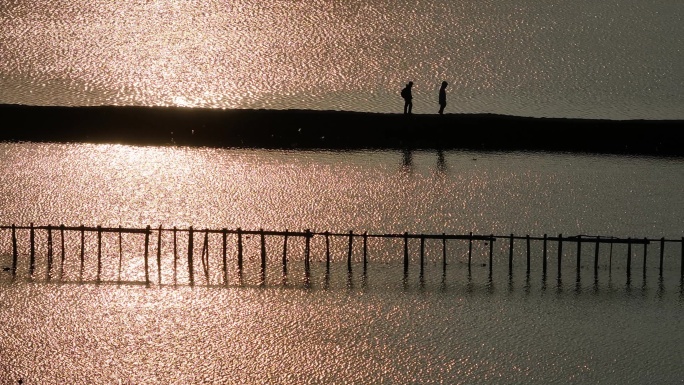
(442, 97)
(408, 98)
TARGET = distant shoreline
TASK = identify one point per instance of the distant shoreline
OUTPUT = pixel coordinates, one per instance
(337, 130)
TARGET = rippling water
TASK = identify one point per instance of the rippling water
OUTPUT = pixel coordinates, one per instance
(620, 59)
(460, 327)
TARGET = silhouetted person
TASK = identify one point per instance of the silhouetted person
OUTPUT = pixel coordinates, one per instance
(408, 98)
(442, 97)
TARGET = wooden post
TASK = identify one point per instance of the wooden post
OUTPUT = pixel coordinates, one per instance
(307, 255)
(491, 254)
(239, 256)
(15, 252)
(49, 252)
(285, 254)
(62, 254)
(682, 261)
(327, 254)
(596, 257)
(349, 252)
(662, 254)
(629, 258)
(191, 267)
(470, 249)
(205, 256)
(365, 252)
(579, 258)
(82, 252)
(444, 254)
(175, 255)
(159, 248)
(510, 255)
(32, 255)
(527, 240)
(560, 255)
(263, 257)
(224, 251)
(544, 254)
(645, 248)
(120, 254)
(422, 254)
(147, 248)
(406, 254)
(99, 252)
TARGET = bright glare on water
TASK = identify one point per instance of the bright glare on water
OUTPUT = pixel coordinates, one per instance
(620, 59)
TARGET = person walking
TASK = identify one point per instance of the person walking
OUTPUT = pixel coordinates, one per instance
(442, 97)
(408, 98)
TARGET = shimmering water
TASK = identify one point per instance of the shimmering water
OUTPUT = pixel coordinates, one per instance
(458, 328)
(616, 59)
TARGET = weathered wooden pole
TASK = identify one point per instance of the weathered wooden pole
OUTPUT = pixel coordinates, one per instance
(159, 248)
(645, 248)
(49, 252)
(662, 255)
(175, 255)
(422, 254)
(527, 240)
(629, 258)
(32, 255)
(147, 249)
(62, 254)
(560, 255)
(365, 252)
(470, 249)
(82, 252)
(205, 256)
(491, 254)
(15, 252)
(406, 255)
(579, 256)
(239, 252)
(120, 254)
(327, 254)
(307, 255)
(349, 252)
(444, 254)
(544, 255)
(224, 256)
(263, 257)
(510, 255)
(191, 246)
(285, 254)
(596, 257)
(99, 252)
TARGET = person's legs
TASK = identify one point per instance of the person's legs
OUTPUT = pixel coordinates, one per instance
(410, 107)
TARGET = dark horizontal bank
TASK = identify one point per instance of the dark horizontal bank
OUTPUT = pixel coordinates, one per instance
(306, 129)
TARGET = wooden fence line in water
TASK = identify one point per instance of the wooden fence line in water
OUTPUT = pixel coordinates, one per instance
(560, 240)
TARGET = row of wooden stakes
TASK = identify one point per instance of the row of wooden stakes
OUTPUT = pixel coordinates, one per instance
(560, 240)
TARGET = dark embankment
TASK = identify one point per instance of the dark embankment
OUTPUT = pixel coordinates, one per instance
(336, 130)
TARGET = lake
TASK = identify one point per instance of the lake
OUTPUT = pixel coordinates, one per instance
(458, 326)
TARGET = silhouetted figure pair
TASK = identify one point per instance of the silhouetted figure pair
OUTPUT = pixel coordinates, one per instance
(408, 98)
(442, 97)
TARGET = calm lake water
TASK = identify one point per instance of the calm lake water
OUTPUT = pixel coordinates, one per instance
(457, 327)
(615, 59)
